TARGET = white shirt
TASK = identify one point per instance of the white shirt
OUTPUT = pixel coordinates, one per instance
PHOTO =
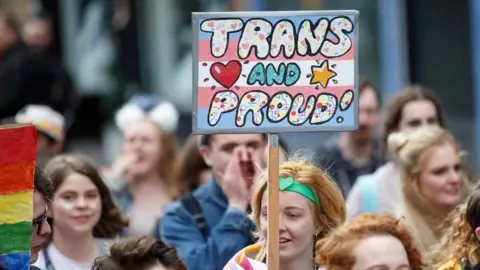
(60, 261)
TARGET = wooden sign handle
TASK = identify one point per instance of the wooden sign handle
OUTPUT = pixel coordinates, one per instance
(273, 237)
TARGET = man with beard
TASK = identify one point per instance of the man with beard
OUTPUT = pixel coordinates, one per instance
(355, 153)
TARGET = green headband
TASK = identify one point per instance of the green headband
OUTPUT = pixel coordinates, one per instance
(288, 184)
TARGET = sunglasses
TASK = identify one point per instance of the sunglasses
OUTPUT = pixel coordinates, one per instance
(40, 221)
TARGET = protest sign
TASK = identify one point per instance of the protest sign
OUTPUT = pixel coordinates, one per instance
(273, 72)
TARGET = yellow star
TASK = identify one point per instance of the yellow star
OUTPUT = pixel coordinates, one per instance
(322, 74)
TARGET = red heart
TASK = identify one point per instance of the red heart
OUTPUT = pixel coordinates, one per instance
(228, 74)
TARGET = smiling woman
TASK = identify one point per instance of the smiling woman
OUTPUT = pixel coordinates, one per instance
(310, 206)
(433, 179)
(83, 215)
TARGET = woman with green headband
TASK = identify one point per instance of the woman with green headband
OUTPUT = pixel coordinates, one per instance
(310, 205)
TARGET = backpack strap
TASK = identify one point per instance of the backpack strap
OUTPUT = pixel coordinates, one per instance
(369, 194)
(193, 207)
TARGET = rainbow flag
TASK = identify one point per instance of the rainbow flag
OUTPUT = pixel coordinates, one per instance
(17, 165)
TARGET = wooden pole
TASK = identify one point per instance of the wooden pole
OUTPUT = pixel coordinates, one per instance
(273, 237)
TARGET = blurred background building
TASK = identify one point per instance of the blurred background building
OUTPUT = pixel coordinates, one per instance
(114, 48)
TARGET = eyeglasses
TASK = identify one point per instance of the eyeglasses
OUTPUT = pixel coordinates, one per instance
(40, 221)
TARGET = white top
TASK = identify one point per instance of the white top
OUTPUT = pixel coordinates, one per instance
(60, 261)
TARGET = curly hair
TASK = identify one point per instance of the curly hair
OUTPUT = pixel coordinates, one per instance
(335, 251)
(331, 212)
(139, 253)
(112, 222)
(459, 240)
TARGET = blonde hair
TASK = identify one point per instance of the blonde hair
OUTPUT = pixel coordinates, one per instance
(459, 240)
(330, 211)
(410, 152)
(335, 251)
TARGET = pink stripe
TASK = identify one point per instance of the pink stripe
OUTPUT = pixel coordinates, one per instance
(231, 54)
(205, 94)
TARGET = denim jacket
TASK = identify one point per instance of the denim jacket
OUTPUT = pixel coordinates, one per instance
(228, 230)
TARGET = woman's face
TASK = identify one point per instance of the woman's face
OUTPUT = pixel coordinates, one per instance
(77, 204)
(297, 226)
(440, 179)
(142, 140)
(381, 252)
(416, 114)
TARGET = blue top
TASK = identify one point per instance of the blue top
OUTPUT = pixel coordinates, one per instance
(229, 230)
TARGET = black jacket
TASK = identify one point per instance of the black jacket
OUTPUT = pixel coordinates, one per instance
(28, 77)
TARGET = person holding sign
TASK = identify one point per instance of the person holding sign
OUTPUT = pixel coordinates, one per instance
(310, 205)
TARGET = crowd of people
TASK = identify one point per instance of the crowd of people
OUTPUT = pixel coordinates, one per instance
(401, 198)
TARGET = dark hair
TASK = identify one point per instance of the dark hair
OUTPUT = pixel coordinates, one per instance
(43, 184)
(188, 166)
(396, 104)
(473, 209)
(139, 253)
(206, 140)
(365, 84)
(111, 222)
(335, 251)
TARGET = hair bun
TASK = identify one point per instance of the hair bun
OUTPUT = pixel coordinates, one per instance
(396, 141)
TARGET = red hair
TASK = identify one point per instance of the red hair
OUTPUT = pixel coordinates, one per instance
(335, 251)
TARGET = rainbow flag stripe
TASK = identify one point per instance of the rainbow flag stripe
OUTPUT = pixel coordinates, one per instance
(17, 165)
